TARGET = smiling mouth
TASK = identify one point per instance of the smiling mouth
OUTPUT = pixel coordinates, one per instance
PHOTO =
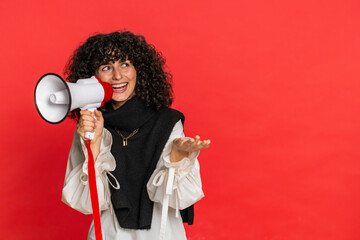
(120, 86)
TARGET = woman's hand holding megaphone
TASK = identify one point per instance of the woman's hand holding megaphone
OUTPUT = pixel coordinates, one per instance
(88, 123)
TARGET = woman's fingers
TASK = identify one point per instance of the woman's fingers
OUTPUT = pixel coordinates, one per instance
(98, 115)
(87, 113)
(205, 144)
(87, 122)
(90, 122)
(86, 127)
(191, 144)
(87, 118)
(90, 127)
(177, 141)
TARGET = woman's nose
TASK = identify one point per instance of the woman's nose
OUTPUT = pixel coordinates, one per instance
(117, 74)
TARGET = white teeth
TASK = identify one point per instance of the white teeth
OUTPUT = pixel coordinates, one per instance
(119, 85)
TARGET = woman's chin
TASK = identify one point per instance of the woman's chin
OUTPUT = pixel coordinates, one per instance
(120, 98)
(119, 101)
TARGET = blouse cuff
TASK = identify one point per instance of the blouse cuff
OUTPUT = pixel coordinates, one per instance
(182, 167)
(105, 161)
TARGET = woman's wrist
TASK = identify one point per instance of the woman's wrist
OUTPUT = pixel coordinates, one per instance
(177, 155)
(95, 147)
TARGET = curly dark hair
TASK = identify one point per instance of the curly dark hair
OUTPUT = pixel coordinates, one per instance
(153, 83)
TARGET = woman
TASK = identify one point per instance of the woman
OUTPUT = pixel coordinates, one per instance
(138, 146)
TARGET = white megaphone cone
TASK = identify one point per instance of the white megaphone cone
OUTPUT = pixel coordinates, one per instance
(55, 98)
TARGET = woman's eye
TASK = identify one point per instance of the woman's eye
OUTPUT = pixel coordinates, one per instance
(124, 65)
(105, 68)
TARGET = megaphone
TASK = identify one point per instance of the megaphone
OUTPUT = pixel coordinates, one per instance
(55, 98)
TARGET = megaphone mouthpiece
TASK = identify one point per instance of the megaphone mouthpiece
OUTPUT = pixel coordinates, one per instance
(60, 97)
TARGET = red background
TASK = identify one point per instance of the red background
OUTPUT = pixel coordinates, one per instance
(274, 84)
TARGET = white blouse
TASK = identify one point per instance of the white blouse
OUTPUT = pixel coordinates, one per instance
(171, 187)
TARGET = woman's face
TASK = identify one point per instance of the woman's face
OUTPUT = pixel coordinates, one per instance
(122, 77)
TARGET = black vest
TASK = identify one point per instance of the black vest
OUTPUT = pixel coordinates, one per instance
(136, 162)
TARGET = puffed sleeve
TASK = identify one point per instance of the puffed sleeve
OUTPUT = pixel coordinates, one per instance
(76, 191)
(180, 181)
